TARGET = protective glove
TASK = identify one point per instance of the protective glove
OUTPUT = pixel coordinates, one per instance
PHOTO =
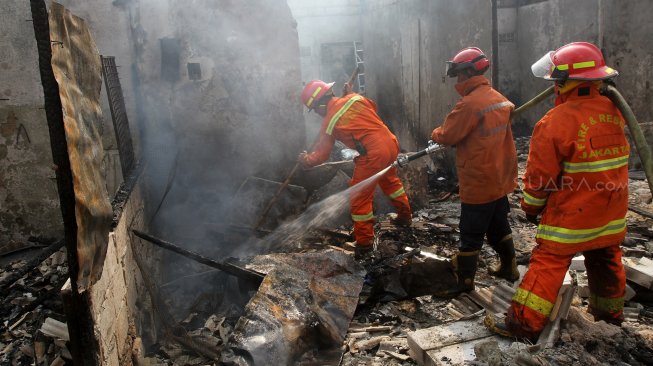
(301, 158)
(346, 89)
(533, 219)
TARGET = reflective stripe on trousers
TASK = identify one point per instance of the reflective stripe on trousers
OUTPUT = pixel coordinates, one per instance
(397, 193)
(533, 301)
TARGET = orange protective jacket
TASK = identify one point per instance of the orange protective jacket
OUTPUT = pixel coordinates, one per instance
(349, 119)
(577, 174)
(479, 127)
(352, 119)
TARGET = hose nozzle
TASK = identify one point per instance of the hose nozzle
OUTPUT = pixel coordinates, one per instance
(403, 159)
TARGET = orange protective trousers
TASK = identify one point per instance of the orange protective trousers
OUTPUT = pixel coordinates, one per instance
(353, 120)
(535, 298)
(361, 199)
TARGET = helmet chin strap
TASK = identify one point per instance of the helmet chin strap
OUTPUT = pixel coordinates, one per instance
(563, 87)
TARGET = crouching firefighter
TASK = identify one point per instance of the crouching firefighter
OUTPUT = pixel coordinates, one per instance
(577, 179)
(486, 160)
(353, 120)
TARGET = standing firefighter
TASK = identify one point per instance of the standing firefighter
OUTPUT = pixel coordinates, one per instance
(486, 159)
(352, 119)
(577, 178)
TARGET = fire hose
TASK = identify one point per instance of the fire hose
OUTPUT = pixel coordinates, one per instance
(641, 145)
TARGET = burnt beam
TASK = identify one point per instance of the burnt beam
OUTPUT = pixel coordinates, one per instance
(226, 267)
(84, 345)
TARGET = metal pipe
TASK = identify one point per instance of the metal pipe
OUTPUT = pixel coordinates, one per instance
(643, 150)
(226, 267)
(533, 102)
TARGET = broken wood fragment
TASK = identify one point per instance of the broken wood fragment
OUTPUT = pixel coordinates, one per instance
(17, 323)
(398, 356)
(55, 329)
(58, 362)
(338, 233)
(366, 344)
(379, 328)
(641, 211)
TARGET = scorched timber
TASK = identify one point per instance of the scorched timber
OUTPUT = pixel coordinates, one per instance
(226, 267)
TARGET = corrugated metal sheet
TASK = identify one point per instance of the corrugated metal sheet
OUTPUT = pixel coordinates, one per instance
(77, 69)
(306, 301)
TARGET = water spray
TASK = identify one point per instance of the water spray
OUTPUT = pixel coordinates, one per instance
(404, 159)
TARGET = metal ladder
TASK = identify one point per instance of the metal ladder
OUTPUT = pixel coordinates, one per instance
(359, 57)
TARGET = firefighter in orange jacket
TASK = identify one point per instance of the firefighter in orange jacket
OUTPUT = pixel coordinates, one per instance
(577, 179)
(486, 160)
(353, 120)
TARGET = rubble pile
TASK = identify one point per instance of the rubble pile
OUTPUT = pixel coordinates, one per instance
(582, 341)
(33, 330)
(303, 310)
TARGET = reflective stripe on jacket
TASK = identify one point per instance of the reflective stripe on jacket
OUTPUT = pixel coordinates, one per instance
(479, 127)
(349, 119)
(577, 173)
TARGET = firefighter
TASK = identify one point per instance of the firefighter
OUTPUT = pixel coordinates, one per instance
(353, 120)
(486, 160)
(577, 180)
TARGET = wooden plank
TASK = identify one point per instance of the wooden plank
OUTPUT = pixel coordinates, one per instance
(422, 341)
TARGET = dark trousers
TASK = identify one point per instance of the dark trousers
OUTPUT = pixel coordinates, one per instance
(479, 220)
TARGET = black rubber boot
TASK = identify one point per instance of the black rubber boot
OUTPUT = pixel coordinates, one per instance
(361, 251)
(508, 268)
(465, 265)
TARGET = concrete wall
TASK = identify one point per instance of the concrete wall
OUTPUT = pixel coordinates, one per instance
(508, 51)
(332, 22)
(120, 302)
(626, 32)
(622, 28)
(241, 118)
(29, 205)
(406, 45)
(543, 27)
(337, 21)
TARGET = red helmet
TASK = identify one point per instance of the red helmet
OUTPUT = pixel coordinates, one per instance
(575, 61)
(468, 58)
(313, 91)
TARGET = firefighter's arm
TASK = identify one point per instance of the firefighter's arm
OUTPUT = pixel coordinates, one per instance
(458, 124)
(321, 151)
(542, 168)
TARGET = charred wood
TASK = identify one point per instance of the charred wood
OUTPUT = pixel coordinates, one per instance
(227, 267)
